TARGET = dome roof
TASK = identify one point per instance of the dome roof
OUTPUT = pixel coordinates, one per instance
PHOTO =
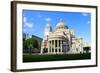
(61, 25)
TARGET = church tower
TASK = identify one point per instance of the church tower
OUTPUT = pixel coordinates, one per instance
(47, 30)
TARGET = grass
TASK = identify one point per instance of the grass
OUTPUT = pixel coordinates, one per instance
(39, 58)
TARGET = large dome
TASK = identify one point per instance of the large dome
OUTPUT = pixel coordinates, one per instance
(61, 25)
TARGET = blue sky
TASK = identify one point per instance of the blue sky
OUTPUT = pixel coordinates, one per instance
(34, 22)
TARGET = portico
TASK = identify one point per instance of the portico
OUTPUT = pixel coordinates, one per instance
(55, 46)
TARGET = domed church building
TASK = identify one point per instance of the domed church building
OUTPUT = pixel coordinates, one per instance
(61, 41)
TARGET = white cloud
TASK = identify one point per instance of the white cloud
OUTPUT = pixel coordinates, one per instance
(48, 19)
(27, 24)
(85, 14)
(24, 19)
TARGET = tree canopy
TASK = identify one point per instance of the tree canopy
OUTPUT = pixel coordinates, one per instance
(31, 41)
(86, 49)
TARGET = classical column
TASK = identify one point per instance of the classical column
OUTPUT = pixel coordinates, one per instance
(48, 47)
(41, 50)
(51, 46)
(61, 46)
(57, 46)
(54, 46)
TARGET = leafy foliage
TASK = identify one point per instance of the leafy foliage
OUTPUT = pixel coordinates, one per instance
(31, 41)
(86, 49)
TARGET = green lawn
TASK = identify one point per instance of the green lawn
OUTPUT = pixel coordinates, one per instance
(38, 58)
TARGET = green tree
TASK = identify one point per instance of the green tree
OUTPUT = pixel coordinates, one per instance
(30, 41)
(86, 49)
(30, 44)
(24, 43)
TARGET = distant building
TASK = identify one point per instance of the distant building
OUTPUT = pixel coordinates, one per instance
(61, 41)
(39, 40)
(26, 36)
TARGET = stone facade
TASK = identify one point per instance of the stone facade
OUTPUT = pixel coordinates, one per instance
(61, 41)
